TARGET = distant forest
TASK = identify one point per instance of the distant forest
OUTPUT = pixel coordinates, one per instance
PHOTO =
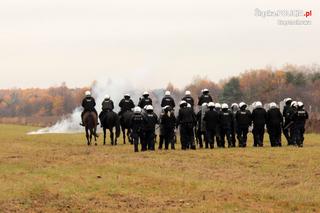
(266, 85)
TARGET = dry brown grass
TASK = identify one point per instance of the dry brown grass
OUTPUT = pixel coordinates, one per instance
(50, 173)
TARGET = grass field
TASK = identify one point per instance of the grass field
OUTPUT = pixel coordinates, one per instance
(50, 173)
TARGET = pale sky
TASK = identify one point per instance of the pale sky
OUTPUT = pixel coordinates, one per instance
(46, 42)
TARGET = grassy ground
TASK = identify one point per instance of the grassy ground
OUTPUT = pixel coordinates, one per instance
(49, 173)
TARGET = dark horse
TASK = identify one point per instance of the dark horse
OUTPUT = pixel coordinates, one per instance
(109, 119)
(90, 124)
(125, 123)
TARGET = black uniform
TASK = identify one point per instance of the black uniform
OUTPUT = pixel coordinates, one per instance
(125, 104)
(274, 123)
(161, 131)
(137, 126)
(167, 100)
(204, 98)
(168, 122)
(225, 121)
(107, 105)
(243, 118)
(299, 118)
(151, 119)
(212, 121)
(201, 127)
(189, 100)
(187, 121)
(259, 117)
(218, 131)
(287, 130)
(144, 101)
(88, 104)
(234, 127)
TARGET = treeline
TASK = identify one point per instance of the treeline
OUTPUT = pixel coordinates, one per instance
(266, 85)
(54, 101)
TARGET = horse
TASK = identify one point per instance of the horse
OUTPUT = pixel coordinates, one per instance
(125, 123)
(109, 119)
(90, 124)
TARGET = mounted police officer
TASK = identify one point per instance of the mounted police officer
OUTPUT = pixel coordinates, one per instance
(88, 104)
(126, 104)
(167, 100)
(205, 97)
(188, 98)
(145, 100)
(107, 105)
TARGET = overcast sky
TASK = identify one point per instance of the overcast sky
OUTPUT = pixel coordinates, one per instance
(46, 42)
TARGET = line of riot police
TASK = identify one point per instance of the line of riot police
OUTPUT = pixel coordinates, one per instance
(213, 125)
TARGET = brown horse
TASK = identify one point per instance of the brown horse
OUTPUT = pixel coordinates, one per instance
(90, 124)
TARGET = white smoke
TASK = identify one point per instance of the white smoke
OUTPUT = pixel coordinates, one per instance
(115, 88)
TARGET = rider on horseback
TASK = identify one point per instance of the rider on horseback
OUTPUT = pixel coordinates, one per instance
(107, 105)
(145, 100)
(88, 104)
(126, 104)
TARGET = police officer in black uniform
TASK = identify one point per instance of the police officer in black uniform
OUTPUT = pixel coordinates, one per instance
(217, 107)
(168, 123)
(145, 100)
(205, 97)
(149, 129)
(258, 116)
(225, 121)
(167, 100)
(243, 118)
(137, 125)
(107, 105)
(212, 121)
(88, 104)
(287, 114)
(187, 121)
(274, 123)
(126, 104)
(188, 98)
(201, 126)
(299, 118)
(234, 110)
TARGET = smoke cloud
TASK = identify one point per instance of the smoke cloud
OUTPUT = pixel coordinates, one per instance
(115, 88)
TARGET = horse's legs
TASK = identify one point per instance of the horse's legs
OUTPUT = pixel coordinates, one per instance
(87, 136)
(104, 135)
(95, 136)
(111, 137)
(124, 134)
(129, 136)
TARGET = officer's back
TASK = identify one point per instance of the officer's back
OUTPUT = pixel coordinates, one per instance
(211, 118)
(243, 117)
(259, 116)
